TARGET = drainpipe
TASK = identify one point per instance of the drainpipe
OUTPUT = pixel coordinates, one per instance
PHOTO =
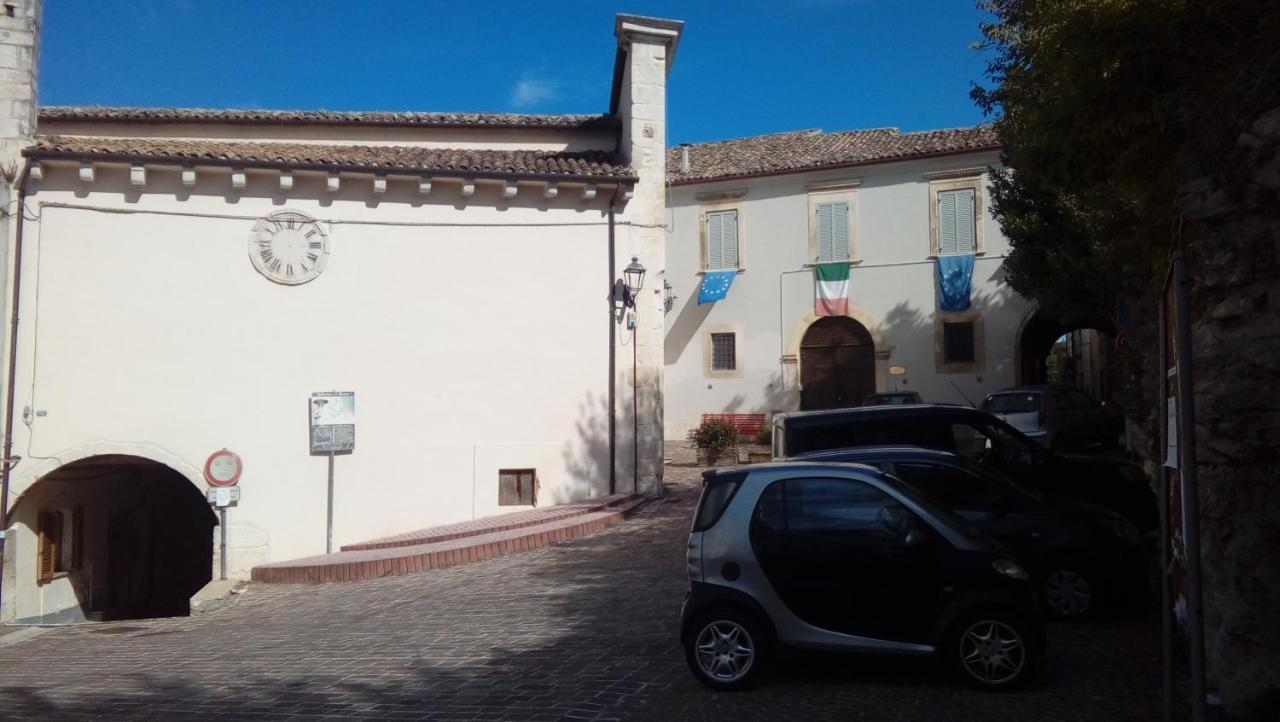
(11, 383)
(613, 361)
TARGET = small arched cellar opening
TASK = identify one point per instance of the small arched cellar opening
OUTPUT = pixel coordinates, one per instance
(1072, 354)
(111, 537)
(837, 364)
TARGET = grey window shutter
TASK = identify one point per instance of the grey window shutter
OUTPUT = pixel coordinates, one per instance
(840, 232)
(730, 239)
(715, 240)
(825, 232)
(956, 230)
(966, 240)
(946, 222)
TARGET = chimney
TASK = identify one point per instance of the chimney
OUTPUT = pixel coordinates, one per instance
(684, 157)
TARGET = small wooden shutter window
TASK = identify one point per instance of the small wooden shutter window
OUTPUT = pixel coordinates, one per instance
(722, 240)
(833, 232)
(50, 544)
(956, 230)
(517, 487)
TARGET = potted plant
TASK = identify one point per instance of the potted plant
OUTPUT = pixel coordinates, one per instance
(711, 438)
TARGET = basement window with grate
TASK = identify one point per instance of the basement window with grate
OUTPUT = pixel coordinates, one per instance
(724, 352)
(517, 487)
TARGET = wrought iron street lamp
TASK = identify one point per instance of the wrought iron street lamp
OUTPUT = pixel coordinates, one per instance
(627, 288)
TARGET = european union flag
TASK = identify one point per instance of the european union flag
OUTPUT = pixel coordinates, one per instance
(715, 286)
(955, 278)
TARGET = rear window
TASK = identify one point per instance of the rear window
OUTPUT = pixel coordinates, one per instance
(869, 430)
(716, 495)
(1012, 403)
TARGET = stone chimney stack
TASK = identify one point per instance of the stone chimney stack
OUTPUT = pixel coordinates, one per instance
(646, 49)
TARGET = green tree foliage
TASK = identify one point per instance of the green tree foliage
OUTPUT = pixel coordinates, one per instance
(1106, 109)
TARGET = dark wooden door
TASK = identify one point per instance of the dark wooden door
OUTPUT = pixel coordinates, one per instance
(837, 364)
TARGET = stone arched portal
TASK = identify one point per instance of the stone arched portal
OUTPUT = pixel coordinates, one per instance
(110, 536)
(837, 364)
(1038, 335)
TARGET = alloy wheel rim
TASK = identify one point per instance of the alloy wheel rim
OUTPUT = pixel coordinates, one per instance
(992, 652)
(725, 651)
(1068, 593)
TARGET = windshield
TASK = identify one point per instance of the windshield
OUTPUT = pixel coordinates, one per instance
(926, 502)
(1012, 403)
(1002, 480)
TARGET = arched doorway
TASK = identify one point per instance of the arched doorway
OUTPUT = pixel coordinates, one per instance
(111, 537)
(1074, 354)
(837, 364)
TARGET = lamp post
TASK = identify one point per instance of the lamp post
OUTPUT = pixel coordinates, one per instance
(625, 292)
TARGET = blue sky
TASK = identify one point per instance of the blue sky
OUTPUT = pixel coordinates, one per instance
(743, 68)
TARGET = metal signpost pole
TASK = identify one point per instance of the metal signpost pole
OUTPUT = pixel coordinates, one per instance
(328, 543)
(222, 551)
(1162, 477)
(1190, 487)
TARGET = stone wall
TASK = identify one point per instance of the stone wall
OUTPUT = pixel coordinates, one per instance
(1231, 230)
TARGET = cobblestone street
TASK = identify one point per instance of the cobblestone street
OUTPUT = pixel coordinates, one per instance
(584, 629)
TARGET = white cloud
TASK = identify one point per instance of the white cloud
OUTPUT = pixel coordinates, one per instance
(533, 89)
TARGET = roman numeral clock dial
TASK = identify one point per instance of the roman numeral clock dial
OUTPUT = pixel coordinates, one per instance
(289, 247)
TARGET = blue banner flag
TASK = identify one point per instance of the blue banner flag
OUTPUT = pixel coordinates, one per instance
(715, 286)
(955, 279)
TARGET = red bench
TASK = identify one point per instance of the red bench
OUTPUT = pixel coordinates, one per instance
(748, 424)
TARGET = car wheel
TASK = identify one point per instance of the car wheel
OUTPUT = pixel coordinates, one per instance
(991, 649)
(1071, 591)
(725, 649)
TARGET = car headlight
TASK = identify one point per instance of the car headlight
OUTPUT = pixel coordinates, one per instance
(1124, 530)
(1010, 568)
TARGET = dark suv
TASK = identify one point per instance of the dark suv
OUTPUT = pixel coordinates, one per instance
(979, 437)
(1084, 557)
(842, 557)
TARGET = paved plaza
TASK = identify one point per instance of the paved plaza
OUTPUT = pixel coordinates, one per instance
(580, 630)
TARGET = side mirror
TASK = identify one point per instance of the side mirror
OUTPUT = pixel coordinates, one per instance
(915, 538)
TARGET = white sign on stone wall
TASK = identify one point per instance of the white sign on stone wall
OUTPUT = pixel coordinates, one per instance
(333, 421)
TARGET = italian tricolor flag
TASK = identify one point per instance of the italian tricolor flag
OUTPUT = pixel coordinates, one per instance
(831, 289)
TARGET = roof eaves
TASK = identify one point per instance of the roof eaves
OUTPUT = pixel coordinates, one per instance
(828, 166)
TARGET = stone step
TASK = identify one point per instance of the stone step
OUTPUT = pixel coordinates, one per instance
(503, 522)
(360, 564)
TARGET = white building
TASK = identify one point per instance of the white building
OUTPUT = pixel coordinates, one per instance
(769, 208)
(189, 277)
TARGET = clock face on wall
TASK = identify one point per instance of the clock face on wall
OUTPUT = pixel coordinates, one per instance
(289, 247)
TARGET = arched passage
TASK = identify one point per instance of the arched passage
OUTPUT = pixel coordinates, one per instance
(110, 537)
(1051, 351)
(837, 364)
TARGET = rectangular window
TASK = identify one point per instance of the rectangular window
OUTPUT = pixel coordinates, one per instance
(724, 352)
(722, 240)
(833, 232)
(957, 221)
(957, 342)
(517, 487)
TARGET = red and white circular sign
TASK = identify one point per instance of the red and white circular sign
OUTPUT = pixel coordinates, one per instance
(223, 468)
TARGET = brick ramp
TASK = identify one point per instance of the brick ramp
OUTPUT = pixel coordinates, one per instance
(359, 564)
(504, 522)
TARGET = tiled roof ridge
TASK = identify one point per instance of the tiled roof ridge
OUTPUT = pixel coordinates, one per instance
(784, 133)
(798, 152)
(146, 114)
(602, 164)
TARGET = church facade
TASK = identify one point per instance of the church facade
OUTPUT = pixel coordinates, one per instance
(186, 280)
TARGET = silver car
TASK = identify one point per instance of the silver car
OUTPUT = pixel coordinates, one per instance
(1061, 418)
(843, 557)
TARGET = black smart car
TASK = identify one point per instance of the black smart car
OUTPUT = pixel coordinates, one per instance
(1084, 557)
(843, 557)
(979, 437)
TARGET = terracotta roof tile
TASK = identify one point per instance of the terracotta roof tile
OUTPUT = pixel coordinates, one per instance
(813, 150)
(482, 163)
(107, 114)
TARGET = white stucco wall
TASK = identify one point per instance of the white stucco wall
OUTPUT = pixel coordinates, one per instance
(892, 291)
(470, 347)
